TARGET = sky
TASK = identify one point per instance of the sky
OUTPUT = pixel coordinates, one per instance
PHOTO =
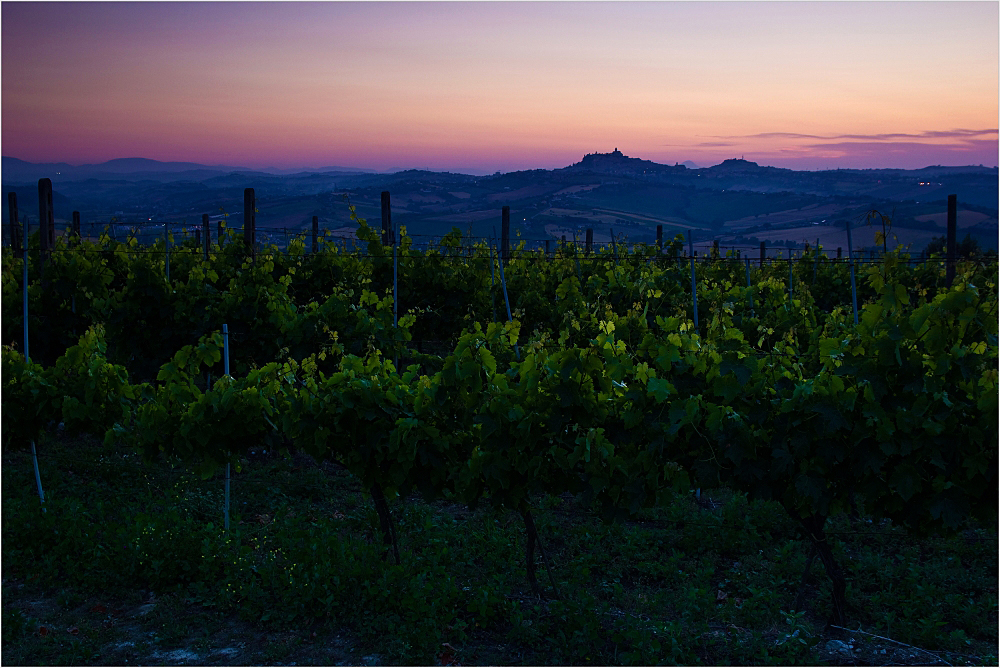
(479, 87)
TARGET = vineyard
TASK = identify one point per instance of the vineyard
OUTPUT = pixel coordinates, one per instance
(678, 439)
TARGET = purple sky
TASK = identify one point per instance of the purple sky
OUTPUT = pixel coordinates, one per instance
(500, 86)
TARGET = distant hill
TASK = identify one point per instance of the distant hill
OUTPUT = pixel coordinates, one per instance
(617, 162)
(741, 165)
(136, 169)
(128, 165)
(736, 201)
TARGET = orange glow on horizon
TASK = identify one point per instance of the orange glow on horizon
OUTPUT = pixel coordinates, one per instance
(501, 86)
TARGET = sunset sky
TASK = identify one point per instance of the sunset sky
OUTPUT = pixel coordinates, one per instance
(480, 87)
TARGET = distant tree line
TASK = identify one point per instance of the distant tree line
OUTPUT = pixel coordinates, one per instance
(967, 248)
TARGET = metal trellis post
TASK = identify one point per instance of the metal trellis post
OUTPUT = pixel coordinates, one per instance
(166, 245)
(850, 262)
(694, 282)
(225, 363)
(503, 282)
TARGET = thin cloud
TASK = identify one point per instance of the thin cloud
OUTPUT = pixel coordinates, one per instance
(930, 134)
(777, 135)
(704, 144)
(860, 147)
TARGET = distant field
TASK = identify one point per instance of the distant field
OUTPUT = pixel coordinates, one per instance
(599, 218)
(963, 218)
(576, 189)
(417, 197)
(810, 213)
(521, 193)
(669, 221)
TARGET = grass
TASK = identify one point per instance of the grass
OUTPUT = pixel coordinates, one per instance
(130, 564)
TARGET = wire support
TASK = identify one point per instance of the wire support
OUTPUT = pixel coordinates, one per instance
(455, 254)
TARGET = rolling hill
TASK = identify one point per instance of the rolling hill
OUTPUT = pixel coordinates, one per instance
(737, 202)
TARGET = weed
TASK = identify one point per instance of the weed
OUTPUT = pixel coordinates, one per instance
(133, 557)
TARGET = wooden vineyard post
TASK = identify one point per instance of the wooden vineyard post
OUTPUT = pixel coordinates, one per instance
(219, 231)
(504, 234)
(589, 242)
(249, 220)
(386, 218)
(715, 249)
(750, 288)
(46, 220)
(949, 275)
(763, 251)
(659, 239)
(816, 262)
(576, 258)
(76, 225)
(840, 252)
(207, 229)
(315, 234)
(548, 248)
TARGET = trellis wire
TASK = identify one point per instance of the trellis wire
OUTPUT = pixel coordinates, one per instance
(636, 249)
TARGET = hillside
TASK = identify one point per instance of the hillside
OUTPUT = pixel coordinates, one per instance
(737, 202)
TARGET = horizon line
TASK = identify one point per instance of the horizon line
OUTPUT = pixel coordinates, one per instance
(477, 172)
